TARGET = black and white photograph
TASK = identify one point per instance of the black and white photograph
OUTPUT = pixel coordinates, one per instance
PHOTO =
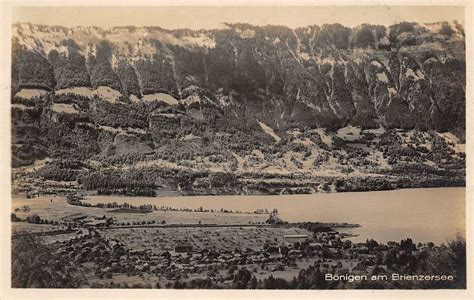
(237, 147)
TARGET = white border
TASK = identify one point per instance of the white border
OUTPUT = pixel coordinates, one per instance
(5, 185)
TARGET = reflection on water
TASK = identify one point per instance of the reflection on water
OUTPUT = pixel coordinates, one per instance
(435, 214)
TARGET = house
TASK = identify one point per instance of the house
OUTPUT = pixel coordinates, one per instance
(96, 223)
(74, 218)
(316, 245)
(334, 243)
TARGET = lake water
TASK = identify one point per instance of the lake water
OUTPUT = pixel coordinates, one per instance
(433, 214)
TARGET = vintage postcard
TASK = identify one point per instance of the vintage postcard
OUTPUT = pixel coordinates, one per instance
(219, 146)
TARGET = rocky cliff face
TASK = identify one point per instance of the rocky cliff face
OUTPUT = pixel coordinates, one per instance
(144, 91)
(405, 76)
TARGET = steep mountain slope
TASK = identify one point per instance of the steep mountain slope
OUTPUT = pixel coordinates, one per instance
(144, 108)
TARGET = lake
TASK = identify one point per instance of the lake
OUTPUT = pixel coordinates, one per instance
(431, 214)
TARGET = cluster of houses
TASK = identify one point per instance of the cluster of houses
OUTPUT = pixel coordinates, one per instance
(111, 256)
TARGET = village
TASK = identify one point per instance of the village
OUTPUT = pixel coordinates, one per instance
(156, 254)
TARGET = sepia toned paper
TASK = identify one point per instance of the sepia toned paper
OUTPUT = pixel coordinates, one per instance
(236, 149)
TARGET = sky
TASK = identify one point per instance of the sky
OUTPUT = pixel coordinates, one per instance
(211, 17)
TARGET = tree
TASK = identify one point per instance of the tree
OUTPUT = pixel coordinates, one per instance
(457, 250)
(35, 219)
(407, 245)
(14, 218)
(379, 258)
(275, 283)
(241, 279)
(390, 257)
(36, 265)
(296, 245)
(371, 244)
(347, 244)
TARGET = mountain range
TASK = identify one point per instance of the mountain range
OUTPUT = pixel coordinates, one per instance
(240, 109)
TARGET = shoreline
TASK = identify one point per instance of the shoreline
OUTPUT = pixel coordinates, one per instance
(95, 194)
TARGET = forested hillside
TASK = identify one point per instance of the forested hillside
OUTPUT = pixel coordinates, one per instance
(244, 109)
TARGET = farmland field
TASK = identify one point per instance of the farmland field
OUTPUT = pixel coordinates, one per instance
(208, 240)
(56, 208)
(369, 209)
(219, 238)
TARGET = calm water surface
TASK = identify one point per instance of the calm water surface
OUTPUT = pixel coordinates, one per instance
(433, 214)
